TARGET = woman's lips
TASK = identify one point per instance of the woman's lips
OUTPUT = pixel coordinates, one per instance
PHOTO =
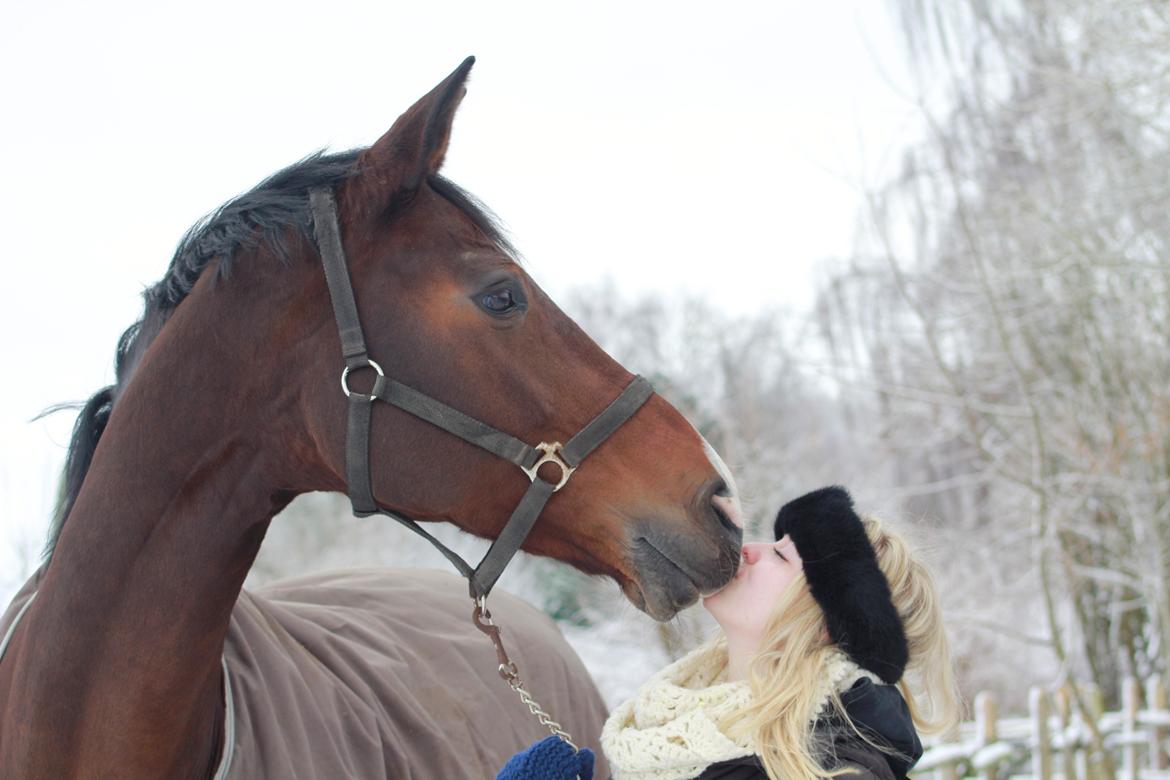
(738, 575)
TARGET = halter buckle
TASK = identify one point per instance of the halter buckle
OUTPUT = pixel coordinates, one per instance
(379, 383)
(551, 455)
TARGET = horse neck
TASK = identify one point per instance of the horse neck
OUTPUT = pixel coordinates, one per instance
(116, 666)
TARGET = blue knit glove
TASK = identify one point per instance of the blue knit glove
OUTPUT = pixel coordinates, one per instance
(550, 759)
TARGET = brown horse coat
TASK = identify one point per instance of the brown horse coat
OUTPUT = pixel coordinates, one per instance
(376, 673)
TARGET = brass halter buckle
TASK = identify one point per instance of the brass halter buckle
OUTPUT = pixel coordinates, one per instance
(551, 455)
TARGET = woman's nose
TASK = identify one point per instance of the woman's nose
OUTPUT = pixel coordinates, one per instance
(752, 552)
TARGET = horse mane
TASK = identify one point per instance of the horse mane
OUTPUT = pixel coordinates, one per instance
(262, 216)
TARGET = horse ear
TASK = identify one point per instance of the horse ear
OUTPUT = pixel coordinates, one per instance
(415, 145)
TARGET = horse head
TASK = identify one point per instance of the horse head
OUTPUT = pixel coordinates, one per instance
(449, 311)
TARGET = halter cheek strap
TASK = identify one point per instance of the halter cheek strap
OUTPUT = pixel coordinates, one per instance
(566, 457)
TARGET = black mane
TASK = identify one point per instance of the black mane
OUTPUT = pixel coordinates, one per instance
(263, 215)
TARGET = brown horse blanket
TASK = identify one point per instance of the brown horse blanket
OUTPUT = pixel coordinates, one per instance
(380, 673)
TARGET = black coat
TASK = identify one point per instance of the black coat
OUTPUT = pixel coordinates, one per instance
(879, 711)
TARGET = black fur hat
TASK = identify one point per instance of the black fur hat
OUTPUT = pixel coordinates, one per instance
(842, 572)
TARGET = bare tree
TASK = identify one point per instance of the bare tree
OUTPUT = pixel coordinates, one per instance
(1008, 314)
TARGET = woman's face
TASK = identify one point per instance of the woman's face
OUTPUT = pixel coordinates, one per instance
(745, 604)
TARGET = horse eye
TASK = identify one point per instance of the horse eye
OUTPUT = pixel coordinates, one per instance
(501, 301)
(503, 298)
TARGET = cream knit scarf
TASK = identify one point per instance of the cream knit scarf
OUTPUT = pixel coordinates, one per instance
(670, 731)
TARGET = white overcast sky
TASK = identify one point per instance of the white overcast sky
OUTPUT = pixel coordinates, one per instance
(706, 148)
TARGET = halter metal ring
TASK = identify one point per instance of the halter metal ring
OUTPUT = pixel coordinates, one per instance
(551, 455)
(369, 364)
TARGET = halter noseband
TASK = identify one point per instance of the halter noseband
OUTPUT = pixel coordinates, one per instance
(566, 456)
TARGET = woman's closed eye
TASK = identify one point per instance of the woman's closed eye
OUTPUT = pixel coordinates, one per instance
(781, 554)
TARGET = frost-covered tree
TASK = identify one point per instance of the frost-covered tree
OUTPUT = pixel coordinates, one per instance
(1008, 315)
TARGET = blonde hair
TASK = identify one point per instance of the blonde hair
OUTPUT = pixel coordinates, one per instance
(788, 673)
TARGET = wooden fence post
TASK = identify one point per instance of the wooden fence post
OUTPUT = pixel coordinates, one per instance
(1093, 764)
(985, 726)
(1156, 702)
(1072, 720)
(947, 772)
(1041, 735)
(1131, 700)
(1068, 751)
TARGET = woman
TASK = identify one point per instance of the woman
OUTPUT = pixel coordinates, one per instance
(807, 678)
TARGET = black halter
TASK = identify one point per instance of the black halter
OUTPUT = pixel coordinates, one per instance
(567, 457)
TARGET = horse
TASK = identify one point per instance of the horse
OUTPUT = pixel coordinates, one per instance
(135, 652)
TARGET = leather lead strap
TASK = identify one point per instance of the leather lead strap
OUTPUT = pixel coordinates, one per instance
(483, 577)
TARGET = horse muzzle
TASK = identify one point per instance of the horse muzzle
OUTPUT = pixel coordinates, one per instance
(673, 569)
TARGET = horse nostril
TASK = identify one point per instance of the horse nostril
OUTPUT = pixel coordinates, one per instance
(727, 510)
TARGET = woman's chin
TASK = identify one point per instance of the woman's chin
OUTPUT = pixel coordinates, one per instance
(714, 600)
(712, 595)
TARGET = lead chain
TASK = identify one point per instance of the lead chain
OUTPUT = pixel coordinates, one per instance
(507, 668)
(545, 719)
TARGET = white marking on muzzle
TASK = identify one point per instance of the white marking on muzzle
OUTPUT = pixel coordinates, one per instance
(729, 505)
